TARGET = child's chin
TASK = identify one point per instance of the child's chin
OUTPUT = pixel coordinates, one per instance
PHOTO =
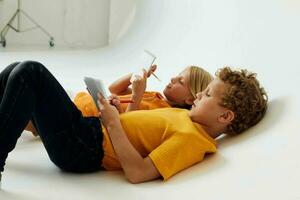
(166, 88)
(190, 113)
(166, 93)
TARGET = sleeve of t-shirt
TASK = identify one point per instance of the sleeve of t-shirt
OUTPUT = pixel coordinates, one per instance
(177, 153)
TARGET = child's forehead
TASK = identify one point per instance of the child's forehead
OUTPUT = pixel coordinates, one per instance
(218, 86)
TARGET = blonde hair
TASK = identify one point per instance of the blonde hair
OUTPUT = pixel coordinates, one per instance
(199, 80)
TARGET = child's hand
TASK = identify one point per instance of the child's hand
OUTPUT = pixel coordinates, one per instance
(115, 101)
(151, 70)
(139, 84)
(109, 113)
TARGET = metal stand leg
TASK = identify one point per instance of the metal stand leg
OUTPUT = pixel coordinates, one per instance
(18, 29)
(6, 28)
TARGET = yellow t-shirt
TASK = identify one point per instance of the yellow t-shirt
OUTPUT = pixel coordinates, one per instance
(151, 100)
(167, 136)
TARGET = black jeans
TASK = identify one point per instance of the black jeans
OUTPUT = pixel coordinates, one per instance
(28, 91)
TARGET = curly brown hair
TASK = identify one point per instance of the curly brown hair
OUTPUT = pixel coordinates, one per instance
(244, 96)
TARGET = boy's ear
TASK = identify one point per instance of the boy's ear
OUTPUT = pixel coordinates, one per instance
(189, 101)
(227, 116)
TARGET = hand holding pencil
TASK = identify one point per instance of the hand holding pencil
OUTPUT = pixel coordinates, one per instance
(151, 71)
(116, 101)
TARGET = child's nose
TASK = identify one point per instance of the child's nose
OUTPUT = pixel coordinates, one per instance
(173, 80)
(199, 95)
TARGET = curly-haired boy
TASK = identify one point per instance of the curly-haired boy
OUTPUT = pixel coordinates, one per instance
(151, 144)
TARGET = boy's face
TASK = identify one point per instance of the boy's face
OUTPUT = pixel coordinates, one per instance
(178, 90)
(206, 109)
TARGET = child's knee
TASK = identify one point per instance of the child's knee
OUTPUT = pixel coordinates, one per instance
(32, 66)
(28, 69)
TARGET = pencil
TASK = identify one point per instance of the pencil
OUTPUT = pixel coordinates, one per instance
(156, 76)
(126, 101)
(154, 57)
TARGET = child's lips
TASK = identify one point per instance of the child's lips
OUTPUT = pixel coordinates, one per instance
(194, 104)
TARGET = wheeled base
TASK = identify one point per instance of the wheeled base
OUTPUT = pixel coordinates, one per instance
(17, 15)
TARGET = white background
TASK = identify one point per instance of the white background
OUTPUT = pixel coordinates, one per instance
(262, 163)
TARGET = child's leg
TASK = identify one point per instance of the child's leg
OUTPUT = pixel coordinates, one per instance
(4, 76)
(73, 143)
(3, 79)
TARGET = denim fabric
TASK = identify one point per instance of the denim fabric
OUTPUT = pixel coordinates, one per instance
(28, 91)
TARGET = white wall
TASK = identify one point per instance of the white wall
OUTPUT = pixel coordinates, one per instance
(262, 36)
(73, 23)
(122, 13)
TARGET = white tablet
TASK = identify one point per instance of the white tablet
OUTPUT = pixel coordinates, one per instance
(94, 86)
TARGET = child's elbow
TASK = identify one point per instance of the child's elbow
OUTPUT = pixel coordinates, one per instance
(141, 177)
(111, 89)
(135, 179)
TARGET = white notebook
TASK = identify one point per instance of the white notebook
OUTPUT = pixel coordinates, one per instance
(94, 86)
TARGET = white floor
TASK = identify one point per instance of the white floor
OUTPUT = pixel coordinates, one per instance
(262, 163)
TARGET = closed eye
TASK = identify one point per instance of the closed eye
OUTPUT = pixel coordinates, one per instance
(207, 94)
(181, 81)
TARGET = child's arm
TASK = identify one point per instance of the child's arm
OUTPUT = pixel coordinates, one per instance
(121, 85)
(136, 168)
(138, 89)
